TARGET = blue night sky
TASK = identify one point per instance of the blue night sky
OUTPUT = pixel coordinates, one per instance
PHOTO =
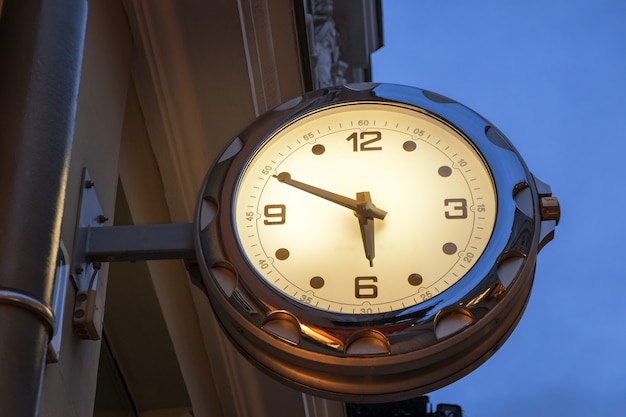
(552, 76)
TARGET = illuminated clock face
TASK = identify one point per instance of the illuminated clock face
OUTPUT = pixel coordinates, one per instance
(364, 208)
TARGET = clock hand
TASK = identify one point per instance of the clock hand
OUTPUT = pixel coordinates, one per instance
(366, 224)
(361, 208)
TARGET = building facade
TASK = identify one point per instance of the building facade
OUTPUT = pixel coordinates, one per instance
(162, 87)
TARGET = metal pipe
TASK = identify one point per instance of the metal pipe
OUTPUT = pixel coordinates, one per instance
(41, 46)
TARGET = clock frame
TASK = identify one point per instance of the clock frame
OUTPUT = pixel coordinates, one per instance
(388, 355)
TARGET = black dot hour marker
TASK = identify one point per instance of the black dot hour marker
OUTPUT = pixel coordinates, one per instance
(449, 248)
(282, 254)
(318, 149)
(409, 146)
(415, 279)
(445, 171)
(317, 282)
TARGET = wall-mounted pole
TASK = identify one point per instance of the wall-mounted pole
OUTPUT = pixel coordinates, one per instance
(41, 45)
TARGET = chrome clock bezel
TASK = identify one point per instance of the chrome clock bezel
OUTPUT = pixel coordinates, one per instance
(385, 356)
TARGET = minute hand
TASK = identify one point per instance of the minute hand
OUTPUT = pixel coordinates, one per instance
(361, 208)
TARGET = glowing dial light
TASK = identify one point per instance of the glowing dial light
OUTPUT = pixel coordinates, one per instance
(366, 208)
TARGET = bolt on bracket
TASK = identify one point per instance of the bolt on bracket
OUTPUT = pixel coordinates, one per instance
(88, 308)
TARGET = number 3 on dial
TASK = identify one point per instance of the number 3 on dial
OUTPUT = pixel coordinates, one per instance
(458, 208)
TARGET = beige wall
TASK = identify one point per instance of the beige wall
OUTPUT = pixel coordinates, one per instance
(168, 283)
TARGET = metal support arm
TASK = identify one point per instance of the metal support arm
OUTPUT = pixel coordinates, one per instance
(140, 243)
(122, 243)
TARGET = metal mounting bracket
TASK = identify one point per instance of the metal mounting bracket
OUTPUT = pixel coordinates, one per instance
(96, 243)
(90, 216)
(88, 309)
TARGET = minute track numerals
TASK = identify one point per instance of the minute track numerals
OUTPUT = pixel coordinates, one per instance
(404, 176)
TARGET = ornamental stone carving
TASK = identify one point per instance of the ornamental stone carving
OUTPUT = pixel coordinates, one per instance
(328, 68)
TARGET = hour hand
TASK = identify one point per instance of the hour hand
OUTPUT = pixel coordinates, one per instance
(366, 224)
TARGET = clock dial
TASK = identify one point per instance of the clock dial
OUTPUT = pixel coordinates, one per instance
(364, 208)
